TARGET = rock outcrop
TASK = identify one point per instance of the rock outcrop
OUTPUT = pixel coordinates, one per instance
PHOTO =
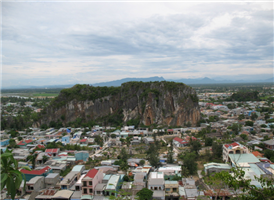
(165, 103)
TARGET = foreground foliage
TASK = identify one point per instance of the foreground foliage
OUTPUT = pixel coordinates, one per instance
(11, 177)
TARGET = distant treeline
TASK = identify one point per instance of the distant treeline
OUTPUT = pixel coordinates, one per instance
(244, 96)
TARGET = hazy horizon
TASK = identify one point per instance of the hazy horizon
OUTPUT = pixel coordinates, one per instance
(61, 43)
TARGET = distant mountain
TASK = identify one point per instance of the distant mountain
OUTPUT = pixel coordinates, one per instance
(119, 82)
(207, 80)
(36, 87)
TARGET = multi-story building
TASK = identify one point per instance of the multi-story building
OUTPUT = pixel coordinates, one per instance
(234, 148)
(91, 179)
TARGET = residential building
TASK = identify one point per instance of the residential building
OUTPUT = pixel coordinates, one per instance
(179, 142)
(69, 180)
(269, 144)
(4, 142)
(113, 185)
(172, 188)
(52, 179)
(62, 195)
(216, 167)
(38, 172)
(53, 152)
(46, 194)
(35, 184)
(90, 180)
(82, 155)
(234, 148)
(156, 181)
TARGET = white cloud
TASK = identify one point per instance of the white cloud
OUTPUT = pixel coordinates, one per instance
(104, 41)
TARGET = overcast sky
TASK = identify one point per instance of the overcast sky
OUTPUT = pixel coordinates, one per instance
(57, 43)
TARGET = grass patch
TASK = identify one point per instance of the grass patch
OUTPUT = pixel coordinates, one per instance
(45, 94)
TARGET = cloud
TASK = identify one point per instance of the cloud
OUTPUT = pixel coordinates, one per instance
(115, 40)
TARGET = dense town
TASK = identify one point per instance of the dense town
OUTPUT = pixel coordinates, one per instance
(139, 162)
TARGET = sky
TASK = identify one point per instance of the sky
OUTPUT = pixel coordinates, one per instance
(59, 43)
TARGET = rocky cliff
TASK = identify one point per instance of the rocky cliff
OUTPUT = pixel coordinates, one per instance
(165, 103)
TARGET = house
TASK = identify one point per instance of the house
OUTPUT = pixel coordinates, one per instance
(156, 181)
(46, 194)
(148, 140)
(179, 142)
(69, 180)
(234, 148)
(20, 154)
(24, 143)
(257, 154)
(62, 195)
(100, 189)
(84, 141)
(76, 195)
(172, 188)
(35, 184)
(216, 167)
(4, 142)
(90, 180)
(52, 179)
(113, 185)
(78, 168)
(53, 152)
(38, 172)
(82, 155)
(269, 144)
(66, 139)
(158, 195)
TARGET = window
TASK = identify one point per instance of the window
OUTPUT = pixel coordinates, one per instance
(90, 183)
(90, 190)
(85, 183)
(167, 189)
(85, 191)
(174, 189)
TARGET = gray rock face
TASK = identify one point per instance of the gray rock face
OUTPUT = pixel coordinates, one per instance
(165, 103)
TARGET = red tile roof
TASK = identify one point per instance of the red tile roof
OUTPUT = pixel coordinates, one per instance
(51, 150)
(257, 154)
(40, 146)
(36, 172)
(83, 140)
(22, 143)
(91, 173)
(28, 141)
(178, 139)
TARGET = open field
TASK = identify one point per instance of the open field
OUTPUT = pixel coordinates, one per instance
(45, 94)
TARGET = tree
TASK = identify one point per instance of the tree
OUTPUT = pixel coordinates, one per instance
(144, 194)
(236, 128)
(11, 177)
(170, 153)
(241, 116)
(243, 136)
(195, 146)
(12, 143)
(142, 162)
(208, 141)
(249, 123)
(153, 156)
(184, 171)
(241, 187)
(32, 158)
(113, 135)
(99, 140)
(217, 150)
(189, 161)
(254, 116)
